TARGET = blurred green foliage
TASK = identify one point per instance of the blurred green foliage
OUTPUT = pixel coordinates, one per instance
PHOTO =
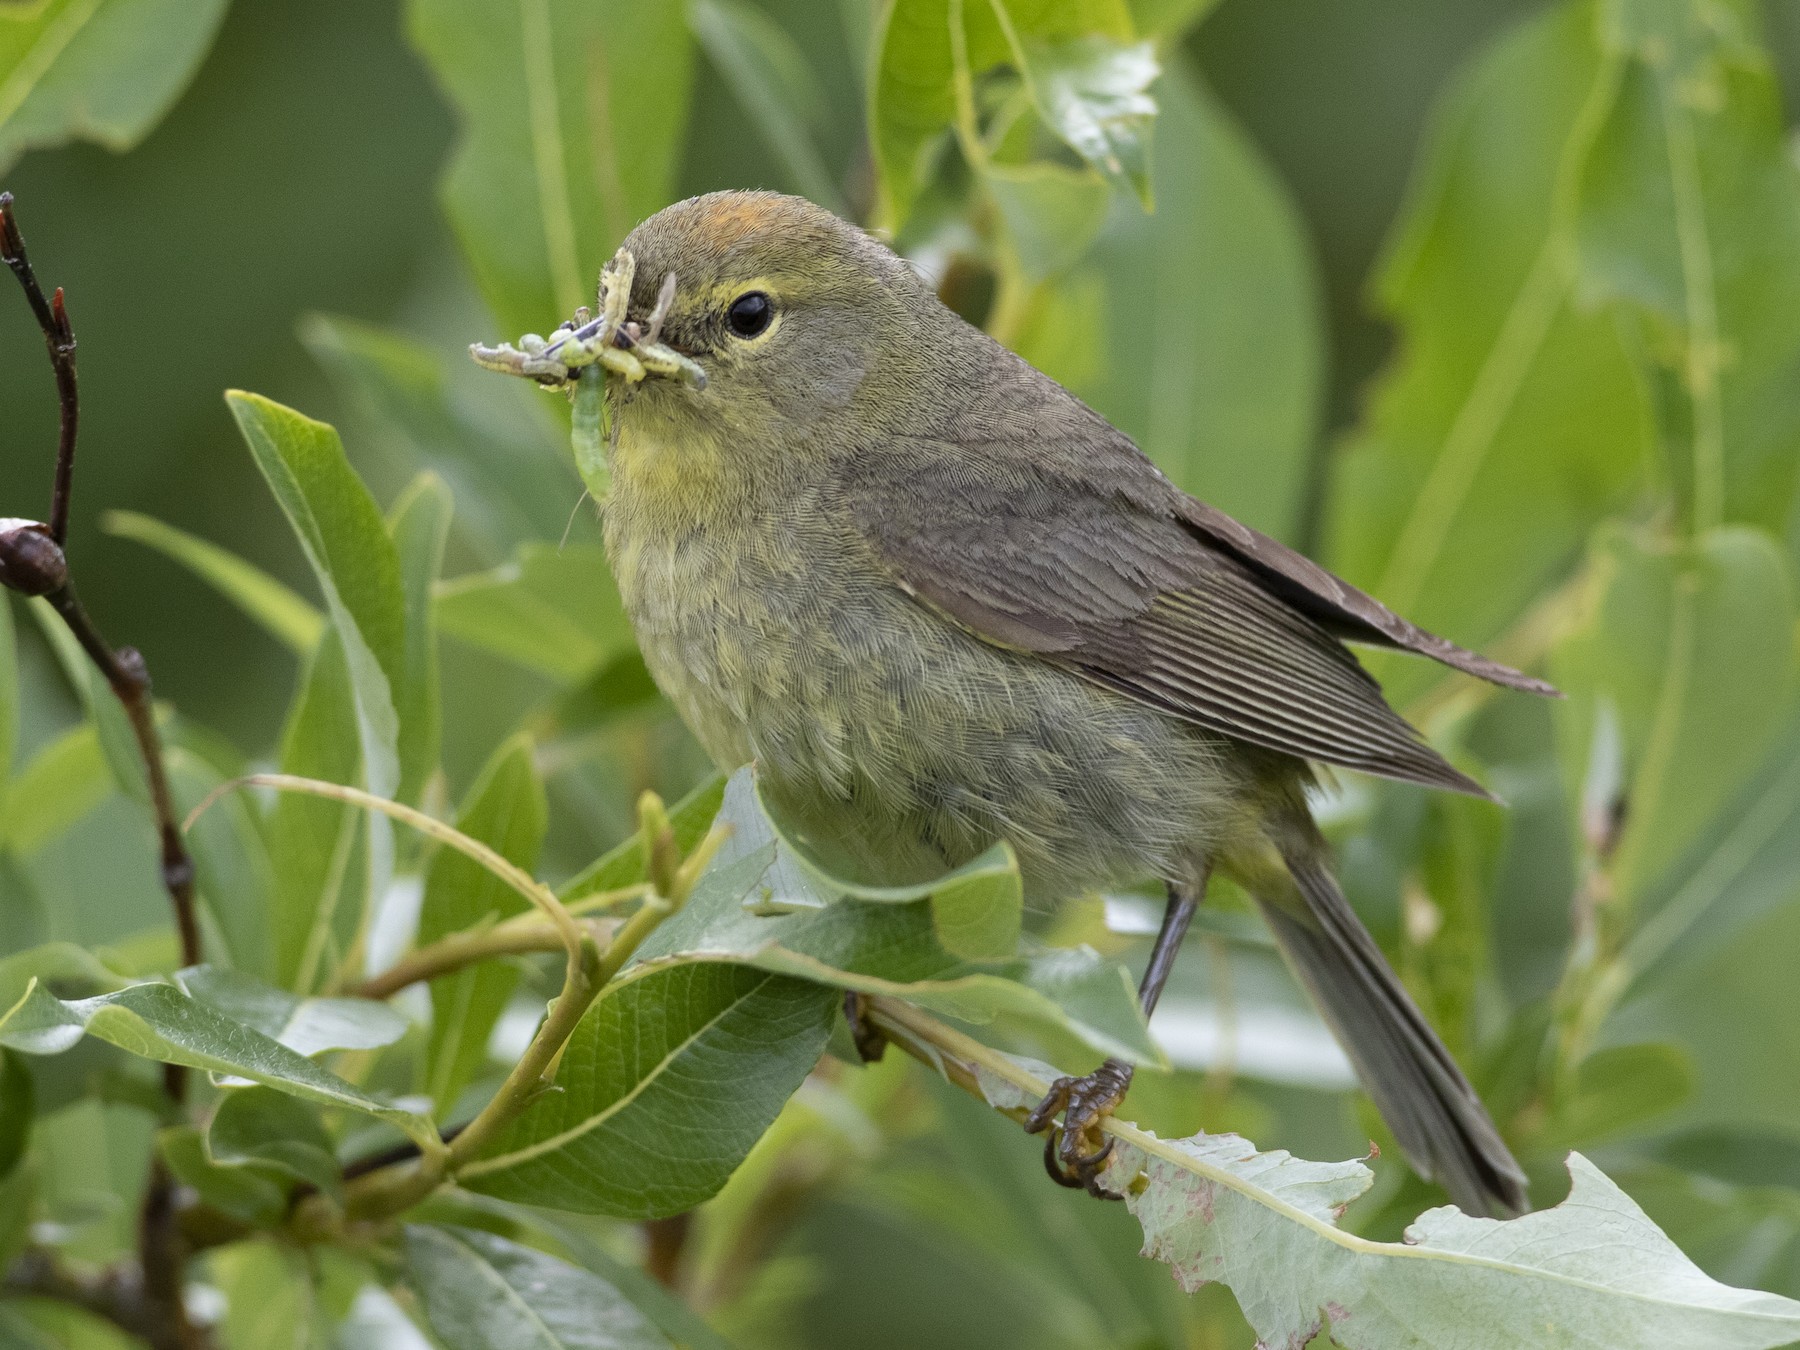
(1491, 306)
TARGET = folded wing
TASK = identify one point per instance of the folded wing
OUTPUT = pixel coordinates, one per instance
(1228, 630)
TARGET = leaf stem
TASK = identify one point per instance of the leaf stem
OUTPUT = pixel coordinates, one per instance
(581, 986)
(568, 930)
(390, 1190)
(515, 937)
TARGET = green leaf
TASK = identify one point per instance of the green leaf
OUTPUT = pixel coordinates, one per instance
(1513, 420)
(1211, 351)
(16, 1111)
(98, 70)
(261, 1128)
(274, 1295)
(665, 1085)
(233, 871)
(553, 610)
(624, 865)
(1093, 92)
(574, 114)
(482, 1292)
(420, 526)
(663, 1307)
(315, 845)
(582, 1244)
(1737, 1156)
(1744, 867)
(507, 810)
(55, 790)
(346, 541)
(977, 910)
(1620, 1089)
(1689, 655)
(376, 1321)
(509, 485)
(769, 76)
(247, 1194)
(16, 1194)
(1593, 1271)
(118, 742)
(618, 690)
(287, 617)
(759, 905)
(60, 963)
(913, 91)
(162, 1023)
(911, 99)
(307, 1026)
(1690, 224)
(1052, 213)
(1167, 18)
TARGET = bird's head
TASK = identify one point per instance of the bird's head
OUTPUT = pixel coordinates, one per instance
(805, 326)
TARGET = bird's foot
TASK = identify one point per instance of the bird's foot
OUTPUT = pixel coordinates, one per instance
(1075, 1152)
(871, 1042)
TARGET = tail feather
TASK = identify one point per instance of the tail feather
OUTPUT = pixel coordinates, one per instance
(1440, 1123)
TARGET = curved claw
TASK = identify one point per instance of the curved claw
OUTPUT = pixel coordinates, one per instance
(1076, 1158)
(1054, 1101)
(1054, 1168)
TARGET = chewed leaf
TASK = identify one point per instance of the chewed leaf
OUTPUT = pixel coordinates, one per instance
(1591, 1274)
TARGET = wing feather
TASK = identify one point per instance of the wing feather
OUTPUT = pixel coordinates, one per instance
(1231, 636)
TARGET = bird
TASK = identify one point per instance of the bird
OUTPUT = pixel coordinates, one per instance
(939, 602)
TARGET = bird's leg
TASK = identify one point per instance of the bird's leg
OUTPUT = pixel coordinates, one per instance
(1074, 1156)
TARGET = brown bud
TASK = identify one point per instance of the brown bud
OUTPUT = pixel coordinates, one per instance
(31, 562)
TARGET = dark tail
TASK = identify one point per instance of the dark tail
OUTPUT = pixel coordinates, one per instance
(1441, 1124)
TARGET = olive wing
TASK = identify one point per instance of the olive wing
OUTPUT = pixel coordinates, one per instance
(1135, 600)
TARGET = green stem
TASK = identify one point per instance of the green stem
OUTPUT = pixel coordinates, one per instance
(493, 863)
(515, 937)
(581, 986)
(390, 1190)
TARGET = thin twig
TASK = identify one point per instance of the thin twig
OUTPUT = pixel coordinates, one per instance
(517, 936)
(162, 1250)
(125, 671)
(59, 338)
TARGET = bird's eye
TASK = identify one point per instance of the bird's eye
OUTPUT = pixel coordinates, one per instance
(750, 314)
